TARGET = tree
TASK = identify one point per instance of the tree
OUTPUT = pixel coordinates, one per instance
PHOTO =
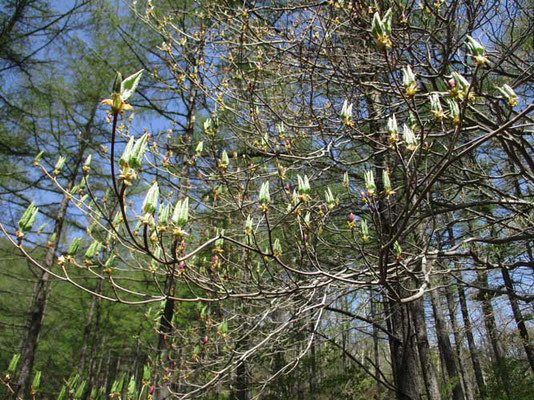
(60, 121)
(321, 154)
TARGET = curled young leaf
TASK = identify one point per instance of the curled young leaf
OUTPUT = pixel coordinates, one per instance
(129, 85)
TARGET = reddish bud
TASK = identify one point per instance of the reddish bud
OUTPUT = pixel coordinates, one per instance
(452, 83)
(205, 340)
(305, 237)
(351, 217)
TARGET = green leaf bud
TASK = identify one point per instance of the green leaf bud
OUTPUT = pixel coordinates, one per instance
(117, 83)
(79, 392)
(38, 158)
(62, 392)
(265, 196)
(93, 250)
(28, 218)
(36, 381)
(180, 215)
(13, 364)
(129, 85)
(138, 151)
(74, 245)
(125, 158)
(151, 200)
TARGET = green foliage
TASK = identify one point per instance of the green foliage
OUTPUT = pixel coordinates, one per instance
(257, 133)
(519, 384)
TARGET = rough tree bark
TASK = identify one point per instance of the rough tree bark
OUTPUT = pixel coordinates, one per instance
(429, 372)
(445, 347)
(376, 356)
(473, 351)
(458, 342)
(400, 320)
(518, 316)
(491, 329)
(403, 352)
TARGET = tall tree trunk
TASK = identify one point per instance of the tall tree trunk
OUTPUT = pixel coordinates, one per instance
(87, 329)
(42, 286)
(473, 351)
(427, 367)
(403, 352)
(445, 347)
(95, 367)
(242, 391)
(518, 316)
(520, 322)
(376, 355)
(165, 329)
(108, 368)
(39, 300)
(313, 370)
(458, 341)
(96, 340)
(491, 330)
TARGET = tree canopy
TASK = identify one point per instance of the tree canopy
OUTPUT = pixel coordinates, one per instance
(268, 200)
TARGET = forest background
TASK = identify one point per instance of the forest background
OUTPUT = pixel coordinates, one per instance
(359, 214)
